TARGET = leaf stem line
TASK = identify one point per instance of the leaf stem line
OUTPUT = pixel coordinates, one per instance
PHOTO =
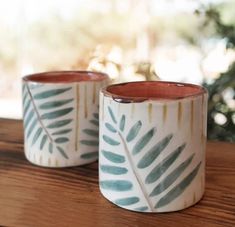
(37, 114)
(141, 185)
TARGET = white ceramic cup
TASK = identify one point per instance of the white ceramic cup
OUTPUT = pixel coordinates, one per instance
(152, 145)
(61, 117)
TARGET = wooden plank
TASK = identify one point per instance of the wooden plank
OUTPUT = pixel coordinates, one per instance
(11, 130)
(35, 196)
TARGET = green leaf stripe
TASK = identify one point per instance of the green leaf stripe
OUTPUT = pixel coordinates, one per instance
(25, 97)
(110, 127)
(115, 170)
(178, 189)
(115, 158)
(54, 104)
(28, 118)
(36, 135)
(34, 86)
(141, 209)
(56, 114)
(50, 147)
(122, 123)
(91, 132)
(26, 107)
(31, 127)
(43, 141)
(171, 178)
(143, 141)
(134, 131)
(50, 93)
(96, 116)
(90, 155)
(90, 142)
(127, 201)
(62, 152)
(112, 115)
(60, 123)
(154, 152)
(95, 122)
(110, 141)
(163, 166)
(61, 140)
(116, 185)
(64, 131)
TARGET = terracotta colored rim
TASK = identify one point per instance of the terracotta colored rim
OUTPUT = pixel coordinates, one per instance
(152, 90)
(65, 77)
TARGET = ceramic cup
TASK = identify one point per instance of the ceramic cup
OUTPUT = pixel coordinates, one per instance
(60, 113)
(152, 145)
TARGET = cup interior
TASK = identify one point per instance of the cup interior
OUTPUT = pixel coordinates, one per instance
(65, 77)
(140, 91)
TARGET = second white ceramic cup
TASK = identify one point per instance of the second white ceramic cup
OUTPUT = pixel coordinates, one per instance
(61, 117)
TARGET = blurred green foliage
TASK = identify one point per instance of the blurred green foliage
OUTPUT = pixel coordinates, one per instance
(222, 90)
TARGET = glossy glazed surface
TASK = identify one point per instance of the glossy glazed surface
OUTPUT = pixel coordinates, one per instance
(152, 145)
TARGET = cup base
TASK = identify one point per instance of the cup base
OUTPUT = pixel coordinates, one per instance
(50, 163)
(139, 210)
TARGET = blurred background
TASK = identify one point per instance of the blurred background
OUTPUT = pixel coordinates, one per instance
(186, 41)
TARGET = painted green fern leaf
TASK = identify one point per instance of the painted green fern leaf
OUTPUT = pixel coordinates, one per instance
(178, 189)
(169, 179)
(119, 136)
(34, 115)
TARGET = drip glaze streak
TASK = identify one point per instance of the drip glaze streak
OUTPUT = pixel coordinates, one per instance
(150, 111)
(77, 118)
(192, 117)
(179, 113)
(85, 101)
(71, 197)
(94, 93)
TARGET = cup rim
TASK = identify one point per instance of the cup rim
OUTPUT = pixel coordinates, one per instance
(107, 91)
(81, 76)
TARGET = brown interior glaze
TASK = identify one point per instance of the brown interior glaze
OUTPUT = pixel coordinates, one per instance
(144, 90)
(65, 77)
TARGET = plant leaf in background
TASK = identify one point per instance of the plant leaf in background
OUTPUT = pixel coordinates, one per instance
(218, 102)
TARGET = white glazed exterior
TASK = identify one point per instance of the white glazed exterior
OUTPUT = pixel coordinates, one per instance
(84, 110)
(185, 118)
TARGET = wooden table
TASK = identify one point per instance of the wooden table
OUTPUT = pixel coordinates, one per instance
(34, 196)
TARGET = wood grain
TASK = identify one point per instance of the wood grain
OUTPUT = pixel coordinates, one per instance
(35, 196)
